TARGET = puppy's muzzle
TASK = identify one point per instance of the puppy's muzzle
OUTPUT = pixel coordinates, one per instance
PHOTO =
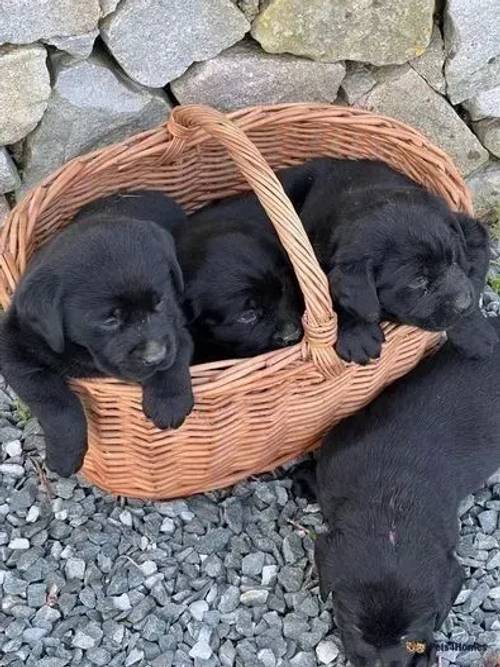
(288, 334)
(463, 302)
(152, 353)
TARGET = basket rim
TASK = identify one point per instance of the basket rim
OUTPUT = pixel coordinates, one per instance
(248, 118)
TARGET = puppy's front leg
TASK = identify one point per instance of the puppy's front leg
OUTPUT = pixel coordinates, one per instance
(357, 340)
(474, 337)
(167, 398)
(59, 412)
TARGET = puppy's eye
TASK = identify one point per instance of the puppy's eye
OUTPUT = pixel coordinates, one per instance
(248, 316)
(419, 283)
(113, 321)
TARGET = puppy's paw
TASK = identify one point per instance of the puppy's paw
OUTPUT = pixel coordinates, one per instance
(166, 410)
(475, 341)
(65, 458)
(359, 342)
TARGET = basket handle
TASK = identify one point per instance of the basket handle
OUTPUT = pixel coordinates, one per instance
(320, 320)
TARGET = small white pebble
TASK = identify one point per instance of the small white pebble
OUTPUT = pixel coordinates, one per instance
(61, 516)
(126, 518)
(462, 596)
(13, 448)
(198, 609)
(122, 602)
(66, 552)
(148, 568)
(12, 469)
(83, 641)
(326, 652)
(168, 526)
(75, 568)
(254, 598)
(312, 508)
(269, 573)
(201, 650)
(19, 543)
(494, 593)
(33, 514)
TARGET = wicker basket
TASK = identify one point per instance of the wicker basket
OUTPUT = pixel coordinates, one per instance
(250, 415)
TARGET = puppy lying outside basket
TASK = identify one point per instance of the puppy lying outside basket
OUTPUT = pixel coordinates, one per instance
(250, 415)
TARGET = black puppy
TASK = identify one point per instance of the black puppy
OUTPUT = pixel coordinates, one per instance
(393, 251)
(389, 481)
(102, 298)
(241, 295)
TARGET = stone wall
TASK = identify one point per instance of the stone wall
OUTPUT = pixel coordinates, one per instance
(79, 74)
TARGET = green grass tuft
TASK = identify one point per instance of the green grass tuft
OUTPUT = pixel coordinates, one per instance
(22, 412)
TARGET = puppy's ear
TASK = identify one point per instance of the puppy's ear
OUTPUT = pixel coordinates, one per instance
(167, 242)
(38, 302)
(324, 561)
(474, 232)
(475, 241)
(176, 276)
(353, 287)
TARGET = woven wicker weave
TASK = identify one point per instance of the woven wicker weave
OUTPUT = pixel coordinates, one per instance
(250, 415)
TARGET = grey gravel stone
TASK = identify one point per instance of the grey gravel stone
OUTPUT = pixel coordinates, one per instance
(403, 94)
(327, 31)
(83, 640)
(358, 81)
(33, 635)
(24, 22)
(36, 595)
(214, 541)
(303, 659)
(156, 42)
(488, 521)
(484, 105)
(77, 46)
(472, 40)
(24, 90)
(327, 652)
(430, 64)
(11, 469)
(488, 131)
(75, 568)
(9, 178)
(92, 104)
(485, 186)
(269, 79)
(19, 543)
(4, 210)
(122, 602)
(201, 650)
(291, 578)
(252, 564)
(254, 598)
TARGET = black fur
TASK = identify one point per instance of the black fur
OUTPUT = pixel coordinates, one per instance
(241, 295)
(392, 251)
(389, 481)
(102, 298)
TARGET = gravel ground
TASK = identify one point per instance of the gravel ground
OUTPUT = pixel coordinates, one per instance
(219, 579)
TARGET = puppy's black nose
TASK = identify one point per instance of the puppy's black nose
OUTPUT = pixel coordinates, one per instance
(153, 352)
(288, 334)
(463, 302)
